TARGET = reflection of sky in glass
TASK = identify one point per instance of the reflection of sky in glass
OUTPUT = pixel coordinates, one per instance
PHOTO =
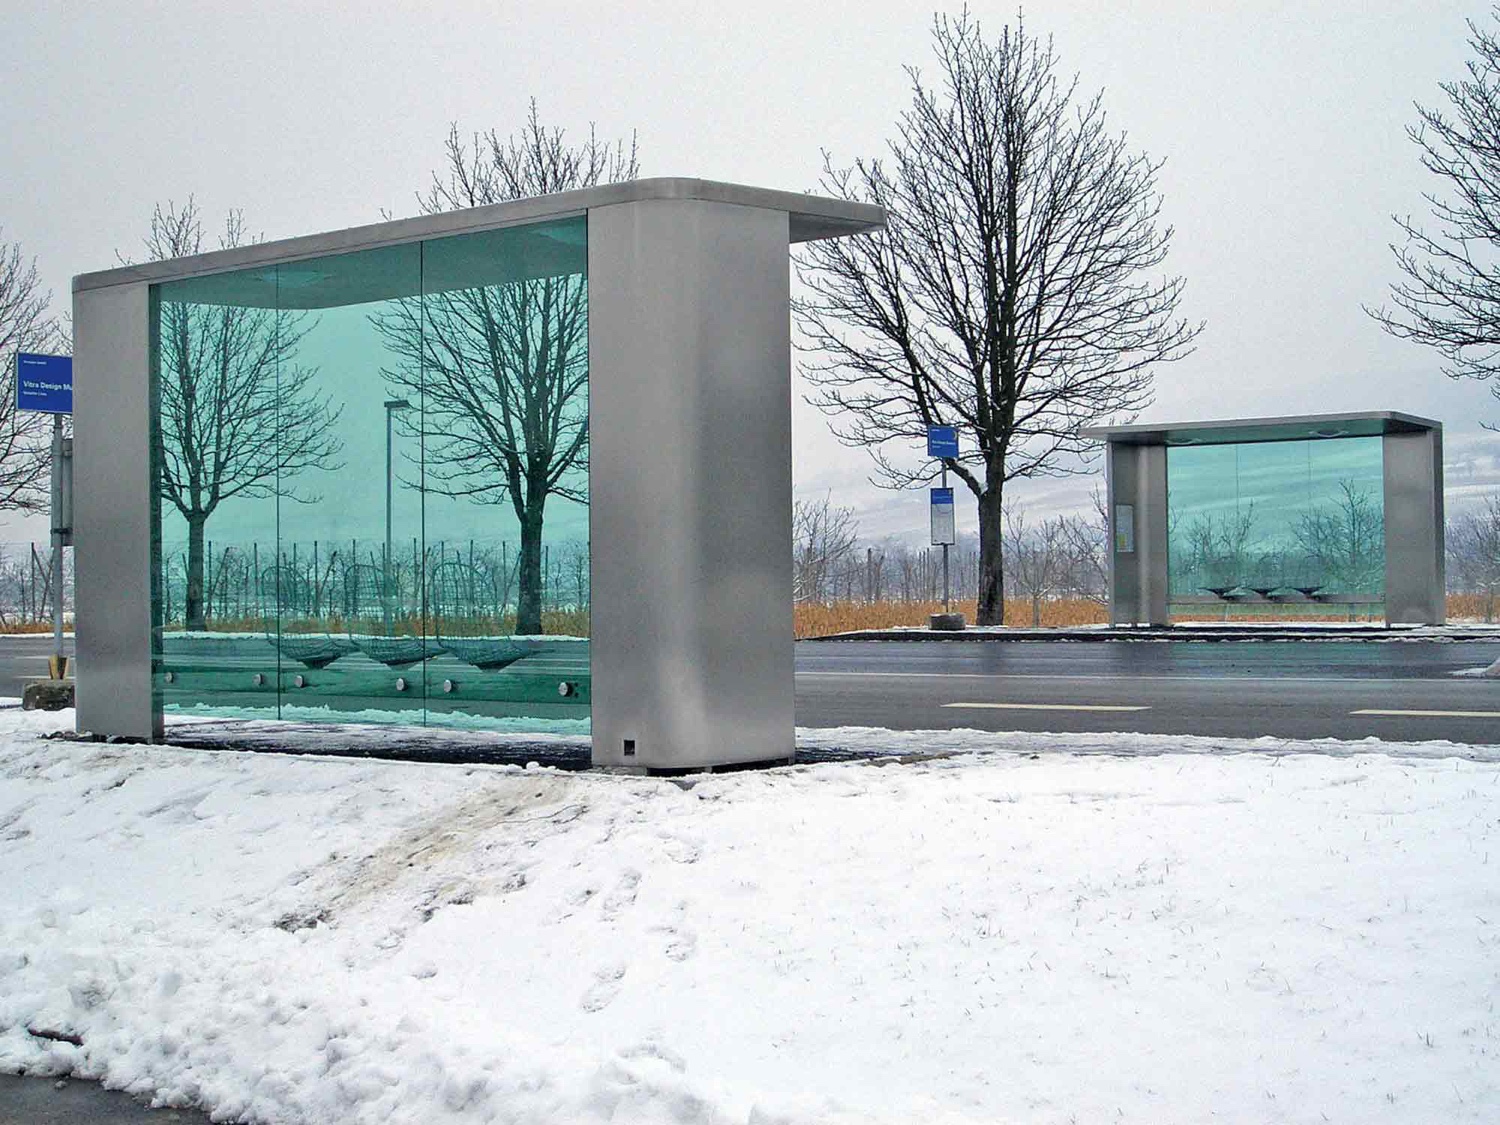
(1255, 499)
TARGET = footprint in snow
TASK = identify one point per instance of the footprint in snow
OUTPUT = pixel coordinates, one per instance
(681, 941)
(681, 944)
(605, 988)
(622, 895)
(681, 849)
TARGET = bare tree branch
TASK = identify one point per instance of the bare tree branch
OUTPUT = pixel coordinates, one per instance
(1449, 295)
(824, 538)
(26, 325)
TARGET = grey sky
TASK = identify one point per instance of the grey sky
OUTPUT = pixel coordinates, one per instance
(1282, 125)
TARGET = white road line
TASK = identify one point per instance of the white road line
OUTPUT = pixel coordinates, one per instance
(1051, 706)
(1429, 714)
(1117, 676)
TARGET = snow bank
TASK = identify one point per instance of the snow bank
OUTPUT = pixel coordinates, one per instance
(1013, 935)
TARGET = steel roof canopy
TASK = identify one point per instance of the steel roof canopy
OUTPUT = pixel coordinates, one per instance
(812, 217)
(1369, 423)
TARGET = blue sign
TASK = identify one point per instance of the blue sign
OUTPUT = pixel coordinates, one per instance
(942, 441)
(44, 383)
(942, 496)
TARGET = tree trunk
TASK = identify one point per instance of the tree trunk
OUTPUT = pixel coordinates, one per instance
(991, 607)
(529, 595)
(193, 608)
(1036, 610)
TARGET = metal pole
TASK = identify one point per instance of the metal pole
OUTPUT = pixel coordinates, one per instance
(945, 548)
(391, 406)
(385, 578)
(59, 662)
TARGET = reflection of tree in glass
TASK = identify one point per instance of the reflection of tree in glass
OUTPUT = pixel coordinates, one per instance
(503, 379)
(502, 370)
(238, 416)
(1345, 539)
(1218, 549)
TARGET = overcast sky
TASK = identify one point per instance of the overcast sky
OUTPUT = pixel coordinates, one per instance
(1282, 126)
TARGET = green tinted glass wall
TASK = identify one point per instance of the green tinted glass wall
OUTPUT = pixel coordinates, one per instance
(1288, 521)
(372, 470)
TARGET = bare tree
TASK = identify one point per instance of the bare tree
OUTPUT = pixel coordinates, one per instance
(1473, 542)
(239, 416)
(1014, 292)
(26, 325)
(1449, 295)
(503, 369)
(824, 538)
(1218, 549)
(1036, 558)
(1345, 539)
(1085, 538)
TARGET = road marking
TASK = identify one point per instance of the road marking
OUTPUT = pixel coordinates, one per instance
(1429, 714)
(1093, 676)
(1053, 706)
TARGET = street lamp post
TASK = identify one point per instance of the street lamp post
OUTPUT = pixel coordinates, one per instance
(393, 406)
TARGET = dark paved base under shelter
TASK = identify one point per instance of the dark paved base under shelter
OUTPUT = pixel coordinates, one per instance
(415, 744)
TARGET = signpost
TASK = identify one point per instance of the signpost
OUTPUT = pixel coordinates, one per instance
(44, 385)
(942, 441)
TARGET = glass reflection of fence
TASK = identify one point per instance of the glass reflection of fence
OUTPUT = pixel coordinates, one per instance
(352, 586)
(26, 587)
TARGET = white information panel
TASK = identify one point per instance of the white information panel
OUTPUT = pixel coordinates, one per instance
(942, 517)
(1125, 529)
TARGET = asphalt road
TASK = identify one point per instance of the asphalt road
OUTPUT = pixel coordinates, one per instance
(1241, 689)
(25, 655)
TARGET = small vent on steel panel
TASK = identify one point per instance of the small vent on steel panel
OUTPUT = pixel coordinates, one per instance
(630, 747)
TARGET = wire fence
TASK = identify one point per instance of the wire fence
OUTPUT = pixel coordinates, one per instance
(243, 583)
(26, 594)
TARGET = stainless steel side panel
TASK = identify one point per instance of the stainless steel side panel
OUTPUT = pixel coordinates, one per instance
(1124, 568)
(112, 507)
(1152, 506)
(690, 483)
(1138, 579)
(1414, 559)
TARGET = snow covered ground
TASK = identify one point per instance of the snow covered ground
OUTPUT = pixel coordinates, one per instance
(1038, 928)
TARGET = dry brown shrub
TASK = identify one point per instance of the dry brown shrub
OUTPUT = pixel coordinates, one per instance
(814, 620)
(1472, 606)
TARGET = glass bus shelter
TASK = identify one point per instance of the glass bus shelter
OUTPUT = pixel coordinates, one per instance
(1303, 517)
(524, 468)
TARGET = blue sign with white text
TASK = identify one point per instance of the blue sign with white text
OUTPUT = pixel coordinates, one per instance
(44, 383)
(943, 496)
(942, 441)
